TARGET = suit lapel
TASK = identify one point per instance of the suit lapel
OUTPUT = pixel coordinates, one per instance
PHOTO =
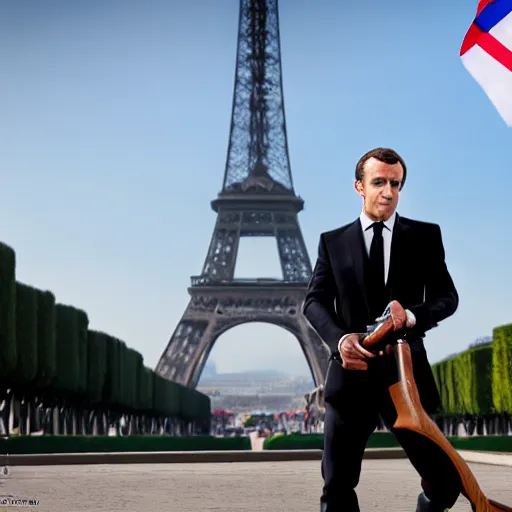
(359, 257)
(397, 255)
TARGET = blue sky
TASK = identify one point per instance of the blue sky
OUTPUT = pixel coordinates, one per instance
(114, 123)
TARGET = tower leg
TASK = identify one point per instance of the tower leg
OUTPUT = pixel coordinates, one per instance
(293, 254)
(184, 347)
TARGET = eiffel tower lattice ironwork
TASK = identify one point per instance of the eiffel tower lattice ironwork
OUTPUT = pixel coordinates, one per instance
(257, 199)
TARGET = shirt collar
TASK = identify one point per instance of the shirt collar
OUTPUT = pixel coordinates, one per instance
(366, 222)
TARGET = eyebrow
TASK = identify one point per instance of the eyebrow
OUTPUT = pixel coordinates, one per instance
(385, 179)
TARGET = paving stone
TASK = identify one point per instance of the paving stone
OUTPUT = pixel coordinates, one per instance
(386, 485)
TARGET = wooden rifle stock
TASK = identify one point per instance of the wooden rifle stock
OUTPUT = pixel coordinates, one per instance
(412, 416)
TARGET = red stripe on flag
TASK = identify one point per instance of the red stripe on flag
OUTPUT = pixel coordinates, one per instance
(482, 5)
(495, 49)
(472, 36)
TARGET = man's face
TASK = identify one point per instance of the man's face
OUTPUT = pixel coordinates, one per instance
(380, 188)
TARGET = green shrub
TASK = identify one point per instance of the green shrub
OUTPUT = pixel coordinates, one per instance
(26, 335)
(7, 312)
(46, 340)
(502, 369)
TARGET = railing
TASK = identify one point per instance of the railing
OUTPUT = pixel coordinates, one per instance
(209, 281)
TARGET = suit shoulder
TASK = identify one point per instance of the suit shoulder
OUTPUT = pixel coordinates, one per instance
(335, 233)
(420, 225)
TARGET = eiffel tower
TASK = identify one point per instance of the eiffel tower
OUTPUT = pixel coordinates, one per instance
(257, 199)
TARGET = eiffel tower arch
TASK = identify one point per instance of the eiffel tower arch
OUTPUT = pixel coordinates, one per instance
(257, 199)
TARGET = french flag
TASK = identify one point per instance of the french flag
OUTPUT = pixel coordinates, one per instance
(486, 53)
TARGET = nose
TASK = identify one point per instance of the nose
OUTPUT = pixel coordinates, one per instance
(388, 191)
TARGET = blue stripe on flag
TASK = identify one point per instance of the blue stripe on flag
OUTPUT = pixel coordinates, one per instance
(493, 14)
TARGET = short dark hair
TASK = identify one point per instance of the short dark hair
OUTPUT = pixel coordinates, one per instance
(386, 155)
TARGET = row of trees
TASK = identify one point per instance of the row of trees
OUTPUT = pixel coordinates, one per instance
(58, 376)
(476, 386)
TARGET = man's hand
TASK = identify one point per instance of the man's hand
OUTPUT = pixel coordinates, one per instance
(400, 319)
(399, 316)
(352, 353)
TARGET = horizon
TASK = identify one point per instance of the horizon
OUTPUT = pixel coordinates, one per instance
(482, 340)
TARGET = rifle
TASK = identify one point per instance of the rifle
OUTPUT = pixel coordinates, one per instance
(412, 416)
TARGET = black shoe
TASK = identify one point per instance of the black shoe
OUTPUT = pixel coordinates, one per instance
(425, 505)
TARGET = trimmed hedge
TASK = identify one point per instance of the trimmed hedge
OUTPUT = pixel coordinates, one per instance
(7, 312)
(146, 389)
(26, 334)
(451, 391)
(502, 369)
(97, 367)
(67, 351)
(483, 443)
(82, 325)
(482, 384)
(46, 340)
(478, 381)
(48, 352)
(83, 444)
(299, 441)
(167, 399)
(463, 377)
(112, 389)
(386, 440)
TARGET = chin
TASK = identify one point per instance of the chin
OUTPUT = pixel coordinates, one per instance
(386, 213)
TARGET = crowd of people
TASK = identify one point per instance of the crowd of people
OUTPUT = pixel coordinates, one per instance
(309, 419)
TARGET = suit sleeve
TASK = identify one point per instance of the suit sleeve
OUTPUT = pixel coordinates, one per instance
(318, 305)
(441, 298)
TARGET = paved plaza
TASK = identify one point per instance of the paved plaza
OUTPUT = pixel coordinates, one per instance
(386, 485)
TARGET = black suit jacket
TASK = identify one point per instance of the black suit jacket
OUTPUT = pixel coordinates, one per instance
(337, 303)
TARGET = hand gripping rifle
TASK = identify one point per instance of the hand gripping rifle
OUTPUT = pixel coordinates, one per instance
(412, 416)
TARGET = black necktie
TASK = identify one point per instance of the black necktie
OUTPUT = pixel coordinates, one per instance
(377, 258)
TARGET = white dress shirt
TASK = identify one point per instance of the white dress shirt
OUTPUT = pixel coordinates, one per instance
(387, 234)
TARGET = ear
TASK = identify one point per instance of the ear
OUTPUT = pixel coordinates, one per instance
(358, 185)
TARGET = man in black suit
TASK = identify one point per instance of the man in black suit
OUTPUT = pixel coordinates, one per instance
(378, 259)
